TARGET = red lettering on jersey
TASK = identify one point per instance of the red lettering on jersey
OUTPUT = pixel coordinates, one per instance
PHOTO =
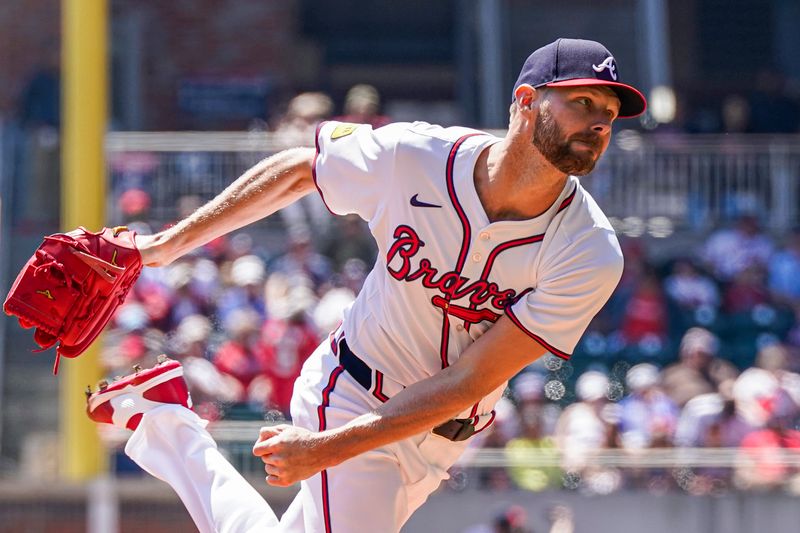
(451, 284)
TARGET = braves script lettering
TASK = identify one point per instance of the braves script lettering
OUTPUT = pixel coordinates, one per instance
(451, 284)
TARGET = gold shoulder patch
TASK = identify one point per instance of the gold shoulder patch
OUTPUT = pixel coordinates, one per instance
(343, 130)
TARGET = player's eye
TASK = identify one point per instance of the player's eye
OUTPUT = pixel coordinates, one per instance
(586, 102)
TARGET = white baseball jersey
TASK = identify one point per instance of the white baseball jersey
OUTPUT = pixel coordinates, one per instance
(444, 273)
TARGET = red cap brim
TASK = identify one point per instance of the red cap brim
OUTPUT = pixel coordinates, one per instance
(632, 102)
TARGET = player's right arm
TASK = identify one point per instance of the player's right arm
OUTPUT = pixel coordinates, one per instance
(268, 186)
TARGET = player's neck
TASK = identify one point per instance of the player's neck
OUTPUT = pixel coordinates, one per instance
(514, 183)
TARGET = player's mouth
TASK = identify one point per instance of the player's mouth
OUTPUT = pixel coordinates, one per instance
(591, 145)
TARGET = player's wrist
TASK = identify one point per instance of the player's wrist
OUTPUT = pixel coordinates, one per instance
(155, 249)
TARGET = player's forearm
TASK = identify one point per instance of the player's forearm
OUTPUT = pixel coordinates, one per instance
(418, 408)
(265, 188)
(486, 365)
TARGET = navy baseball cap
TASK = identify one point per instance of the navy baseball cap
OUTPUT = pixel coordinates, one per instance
(577, 62)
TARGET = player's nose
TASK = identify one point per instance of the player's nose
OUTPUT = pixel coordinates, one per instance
(602, 127)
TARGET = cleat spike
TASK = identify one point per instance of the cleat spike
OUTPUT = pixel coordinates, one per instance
(137, 368)
(162, 358)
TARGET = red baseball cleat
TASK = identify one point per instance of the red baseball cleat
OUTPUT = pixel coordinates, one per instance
(124, 402)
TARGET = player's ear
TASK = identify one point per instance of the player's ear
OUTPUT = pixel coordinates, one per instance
(525, 95)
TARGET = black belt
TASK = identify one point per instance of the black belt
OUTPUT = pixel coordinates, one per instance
(357, 368)
(456, 430)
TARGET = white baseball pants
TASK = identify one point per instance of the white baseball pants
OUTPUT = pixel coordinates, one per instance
(374, 492)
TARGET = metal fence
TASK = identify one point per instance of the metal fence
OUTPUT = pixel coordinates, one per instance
(654, 184)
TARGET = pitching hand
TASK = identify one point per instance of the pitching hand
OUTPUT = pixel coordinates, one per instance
(290, 454)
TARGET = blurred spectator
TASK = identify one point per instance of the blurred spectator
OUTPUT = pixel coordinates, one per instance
(760, 464)
(349, 238)
(776, 359)
(247, 275)
(212, 391)
(647, 416)
(536, 424)
(528, 391)
(330, 310)
(128, 342)
(184, 301)
(645, 316)
(288, 337)
(690, 289)
(298, 126)
(647, 420)
(762, 403)
(721, 420)
(784, 271)
(353, 274)
(699, 371)
(747, 290)
(238, 356)
(532, 440)
(729, 251)
(633, 272)
(131, 177)
(362, 106)
(191, 338)
(586, 428)
(301, 259)
(134, 204)
(157, 300)
(725, 420)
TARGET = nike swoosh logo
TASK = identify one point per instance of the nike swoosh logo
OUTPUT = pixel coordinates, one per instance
(419, 203)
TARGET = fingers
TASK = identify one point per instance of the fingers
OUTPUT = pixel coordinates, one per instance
(276, 481)
(270, 431)
(263, 448)
(272, 471)
(273, 459)
(275, 477)
(265, 444)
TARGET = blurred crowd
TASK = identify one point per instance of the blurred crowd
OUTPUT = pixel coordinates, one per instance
(701, 350)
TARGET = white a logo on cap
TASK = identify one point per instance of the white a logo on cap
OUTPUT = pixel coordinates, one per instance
(607, 64)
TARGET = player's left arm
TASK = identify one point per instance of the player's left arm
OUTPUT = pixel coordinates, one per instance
(292, 454)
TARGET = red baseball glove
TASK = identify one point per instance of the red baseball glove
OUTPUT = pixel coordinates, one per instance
(71, 286)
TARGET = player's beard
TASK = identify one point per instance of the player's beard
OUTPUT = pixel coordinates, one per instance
(549, 139)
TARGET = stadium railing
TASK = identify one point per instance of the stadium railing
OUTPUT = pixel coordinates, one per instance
(652, 184)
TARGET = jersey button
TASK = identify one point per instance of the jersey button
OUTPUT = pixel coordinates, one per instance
(485, 235)
(476, 257)
(460, 327)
